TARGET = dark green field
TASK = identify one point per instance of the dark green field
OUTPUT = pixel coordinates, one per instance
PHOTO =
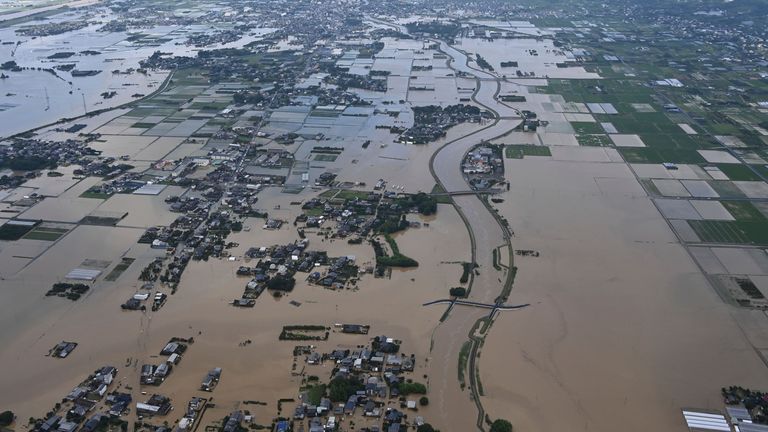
(518, 151)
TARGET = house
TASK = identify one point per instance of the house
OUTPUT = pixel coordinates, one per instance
(355, 329)
(162, 371)
(156, 405)
(119, 408)
(106, 374)
(394, 360)
(77, 393)
(170, 348)
(282, 426)
(67, 426)
(147, 374)
(349, 407)
(233, 422)
(244, 302)
(77, 412)
(371, 410)
(92, 423)
(314, 358)
(408, 365)
(211, 380)
(50, 424)
(393, 416)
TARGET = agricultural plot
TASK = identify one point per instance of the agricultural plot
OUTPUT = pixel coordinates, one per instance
(654, 155)
(594, 140)
(718, 156)
(628, 140)
(730, 141)
(738, 172)
(586, 128)
(749, 226)
(727, 189)
(699, 189)
(753, 189)
(711, 210)
(671, 188)
(720, 232)
(687, 128)
(579, 117)
(325, 157)
(643, 107)
(519, 151)
(609, 128)
(641, 123)
(45, 233)
(677, 209)
(743, 211)
(617, 92)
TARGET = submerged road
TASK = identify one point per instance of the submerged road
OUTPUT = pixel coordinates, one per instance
(457, 407)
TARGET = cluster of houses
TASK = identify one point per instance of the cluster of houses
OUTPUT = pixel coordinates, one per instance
(481, 160)
(199, 235)
(156, 374)
(160, 405)
(325, 179)
(137, 301)
(154, 271)
(340, 271)
(277, 266)
(21, 154)
(379, 371)
(431, 122)
(272, 158)
(182, 228)
(125, 183)
(351, 215)
(242, 198)
(192, 414)
(76, 410)
(233, 422)
(483, 166)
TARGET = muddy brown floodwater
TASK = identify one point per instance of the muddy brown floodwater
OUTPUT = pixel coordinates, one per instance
(623, 330)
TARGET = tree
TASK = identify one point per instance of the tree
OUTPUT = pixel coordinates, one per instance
(426, 427)
(501, 425)
(412, 388)
(424, 401)
(281, 283)
(340, 388)
(6, 418)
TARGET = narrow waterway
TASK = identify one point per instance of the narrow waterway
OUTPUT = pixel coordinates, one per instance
(455, 407)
